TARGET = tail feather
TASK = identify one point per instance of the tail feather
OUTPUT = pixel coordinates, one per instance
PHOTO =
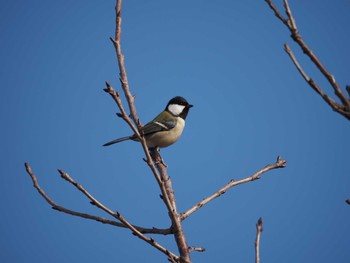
(118, 140)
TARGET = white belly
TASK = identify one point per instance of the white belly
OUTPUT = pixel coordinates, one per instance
(166, 138)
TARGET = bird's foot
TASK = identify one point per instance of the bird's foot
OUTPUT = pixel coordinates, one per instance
(156, 156)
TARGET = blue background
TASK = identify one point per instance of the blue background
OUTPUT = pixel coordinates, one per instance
(251, 104)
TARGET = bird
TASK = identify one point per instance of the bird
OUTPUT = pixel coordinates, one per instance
(165, 129)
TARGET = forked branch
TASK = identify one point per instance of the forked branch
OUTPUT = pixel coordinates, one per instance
(343, 107)
(279, 164)
(122, 75)
(137, 231)
(158, 168)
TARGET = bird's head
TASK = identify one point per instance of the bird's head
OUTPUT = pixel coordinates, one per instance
(178, 106)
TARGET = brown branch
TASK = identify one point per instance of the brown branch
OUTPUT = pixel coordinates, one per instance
(103, 220)
(348, 89)
(122, 75)
(149, 160)
(117, 215)
(159, 172)
(312, 83)
(279, 164)
(130, 100)
(344, 107)
(116, 97)
(175, 217)
(259, 229)
(138, 231)
(277, 13)
(198, 249)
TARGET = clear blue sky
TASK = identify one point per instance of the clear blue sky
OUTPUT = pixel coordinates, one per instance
(227, 59)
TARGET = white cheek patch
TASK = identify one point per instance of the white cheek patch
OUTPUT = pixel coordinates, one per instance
(175, 109)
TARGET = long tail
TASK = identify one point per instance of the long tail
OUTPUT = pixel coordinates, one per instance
(118, 140)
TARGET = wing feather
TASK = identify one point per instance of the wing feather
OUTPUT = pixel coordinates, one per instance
(157, 126)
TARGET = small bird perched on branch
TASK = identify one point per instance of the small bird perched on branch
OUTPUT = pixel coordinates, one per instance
(166, 128)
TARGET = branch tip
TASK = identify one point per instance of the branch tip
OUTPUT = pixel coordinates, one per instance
(62, 173)
(286, 47)
(259, 230)
(109, 88)
(197, 249)
(348, 201)
(348, 89)
(280, 163)
(28, 168)
(112, 40)
(259, 224)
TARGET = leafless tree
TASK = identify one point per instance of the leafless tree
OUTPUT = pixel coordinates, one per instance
(343, 106)
(158, 169)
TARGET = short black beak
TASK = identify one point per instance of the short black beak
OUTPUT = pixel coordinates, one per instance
(189, 106)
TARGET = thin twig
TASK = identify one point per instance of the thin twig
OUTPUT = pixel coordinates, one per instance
(138, 231)
(344, 107)
(259, 229)
(279, 164)
(277, 13)
(197, 249)
(103, 220)
(291, 21)
(122, 75)
(116, 215)
(116, 97)
(312, 83)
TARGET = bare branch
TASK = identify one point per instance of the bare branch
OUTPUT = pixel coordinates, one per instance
(130, 100)
(198, 249)
(312, 83)
(277, 13)
(259, 229)
(291, 21)
(348, 89)
(159, 172)
(116, 97)
(279, 164)
(116, 215)
(103, 220)
(347, 201)
(344, 107)
(138, 231)
(123, 76)
(173, 214)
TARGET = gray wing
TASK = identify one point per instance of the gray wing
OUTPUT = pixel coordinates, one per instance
(157, 126)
